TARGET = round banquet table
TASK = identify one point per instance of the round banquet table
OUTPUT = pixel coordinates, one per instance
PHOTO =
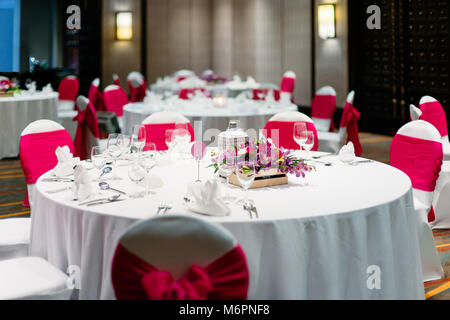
(209, 122)
(314, 240)
(19, 111)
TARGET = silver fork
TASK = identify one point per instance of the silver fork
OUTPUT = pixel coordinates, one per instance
(249, 210)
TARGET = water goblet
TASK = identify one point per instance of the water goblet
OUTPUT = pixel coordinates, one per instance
(136, 173)
(300, 133)
(98, 159)
(246, 173)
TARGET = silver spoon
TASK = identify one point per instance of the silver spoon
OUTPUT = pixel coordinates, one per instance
(105, 186)
(106, 170)
(112, 198)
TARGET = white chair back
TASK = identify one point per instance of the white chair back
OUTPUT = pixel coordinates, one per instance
(165, 117)
(42, 125)
(82, 102)
(414, 112)
(291, 116)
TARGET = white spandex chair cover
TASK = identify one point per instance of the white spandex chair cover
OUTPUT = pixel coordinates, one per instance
(165, 117)
(92, 141)
(431, 263)
(414, 112)
(184, 73)
(332, 141)
(135, 78)
(39, 126)
(284, 95)
(32, 279)
(3, 78)
(324, 124)
(14, 238)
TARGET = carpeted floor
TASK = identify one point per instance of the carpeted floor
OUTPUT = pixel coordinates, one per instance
(13, 188)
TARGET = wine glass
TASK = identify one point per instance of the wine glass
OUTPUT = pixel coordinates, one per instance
(115, 149)
(138, 138)
(309, 143)
(136, 173)
(98, 159)
(148, 157)
(227, 166)
(246, 173)
(170, 139)
(183, 139)
(300, 133)
(125, 144)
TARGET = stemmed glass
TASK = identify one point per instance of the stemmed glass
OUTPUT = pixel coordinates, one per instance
(148, 158)
(138, 138)
(182, 138)
(309, 143)
(98, 159)
(115, 149)
(125, 144)
(246, 173)
(136, 173)
(300, 134)
(170, 139)
(227, 166)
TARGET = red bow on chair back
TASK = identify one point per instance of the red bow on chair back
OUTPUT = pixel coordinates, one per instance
(261, 94)
(323, 107)
(95, 96)
(349, 120)
(37, 153)
(68, 88)
(156, 133)
(137, 94)
(434, 113)
(226, 278)
(87, 120)
(286, 134)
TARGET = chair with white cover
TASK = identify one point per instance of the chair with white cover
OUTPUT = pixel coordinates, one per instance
(95, 96)
(88, 132)
(323, 108)
(68, 91)
(280, 128)
(179, 258)
(157, 124)
(417, 151)
(137, 86)
(32, 278)
(38, 143)
(348, 130)
(115, 99)
(433, 112)
(183, 74)
(14, 238)
(414, 112)
(116, 79)
(287, 86)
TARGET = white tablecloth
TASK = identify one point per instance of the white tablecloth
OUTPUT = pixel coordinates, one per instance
(209, 122)
(17, 112)
(313, 241)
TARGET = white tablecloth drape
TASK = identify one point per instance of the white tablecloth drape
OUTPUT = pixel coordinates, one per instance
(17, 112)
(348, 234)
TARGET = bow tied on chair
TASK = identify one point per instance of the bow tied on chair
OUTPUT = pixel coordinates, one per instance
(349, 120)
(87, 120)
(160, 285)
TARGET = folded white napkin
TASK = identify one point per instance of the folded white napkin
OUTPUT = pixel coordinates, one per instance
(48, 88)
(206, 199)
(66, 162)
(83, 187)
(32, 88)
(347, 153)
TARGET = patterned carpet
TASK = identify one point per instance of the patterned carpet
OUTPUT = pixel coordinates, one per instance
(13, 188)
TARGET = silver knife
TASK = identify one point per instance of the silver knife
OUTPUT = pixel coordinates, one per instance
(104, 202)
(255, 211)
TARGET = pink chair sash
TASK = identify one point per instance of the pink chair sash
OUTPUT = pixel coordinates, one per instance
(96, 97)
(226, 278)
(156, 133)
(68, 89)
(137, 94)
(420, 159)
(433, 113)
(323, 107)
(87, 120)
(115, 100)
(185, 93)
(286, 134)
(261, 94)
(349, 120)
(37, 153)
(287, 85)
(117, 82)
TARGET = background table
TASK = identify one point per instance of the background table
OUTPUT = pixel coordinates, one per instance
(313, 241)
(251, 114)
(17, 112)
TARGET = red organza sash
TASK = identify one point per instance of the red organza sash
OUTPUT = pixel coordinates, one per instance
(286, 134)
(226, 278)
(261, 94)
(323, 107)
(87, 120)
(420, 159)
(433, 113)
(287, 85)
(186, 93)
(156, 133)
(349, 120)
(96, 98)
(68, 89)
(37, 153)
(137, 94)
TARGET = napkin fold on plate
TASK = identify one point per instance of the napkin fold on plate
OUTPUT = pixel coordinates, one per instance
(83, 187)
(66, 162)
(206, 199)
(347, 153)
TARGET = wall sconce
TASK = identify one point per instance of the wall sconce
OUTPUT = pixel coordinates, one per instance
(327, 21)
(124, 25)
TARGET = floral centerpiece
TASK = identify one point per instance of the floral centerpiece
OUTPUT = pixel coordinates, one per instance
(214, 79)
(270, 162)
(8, 87)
